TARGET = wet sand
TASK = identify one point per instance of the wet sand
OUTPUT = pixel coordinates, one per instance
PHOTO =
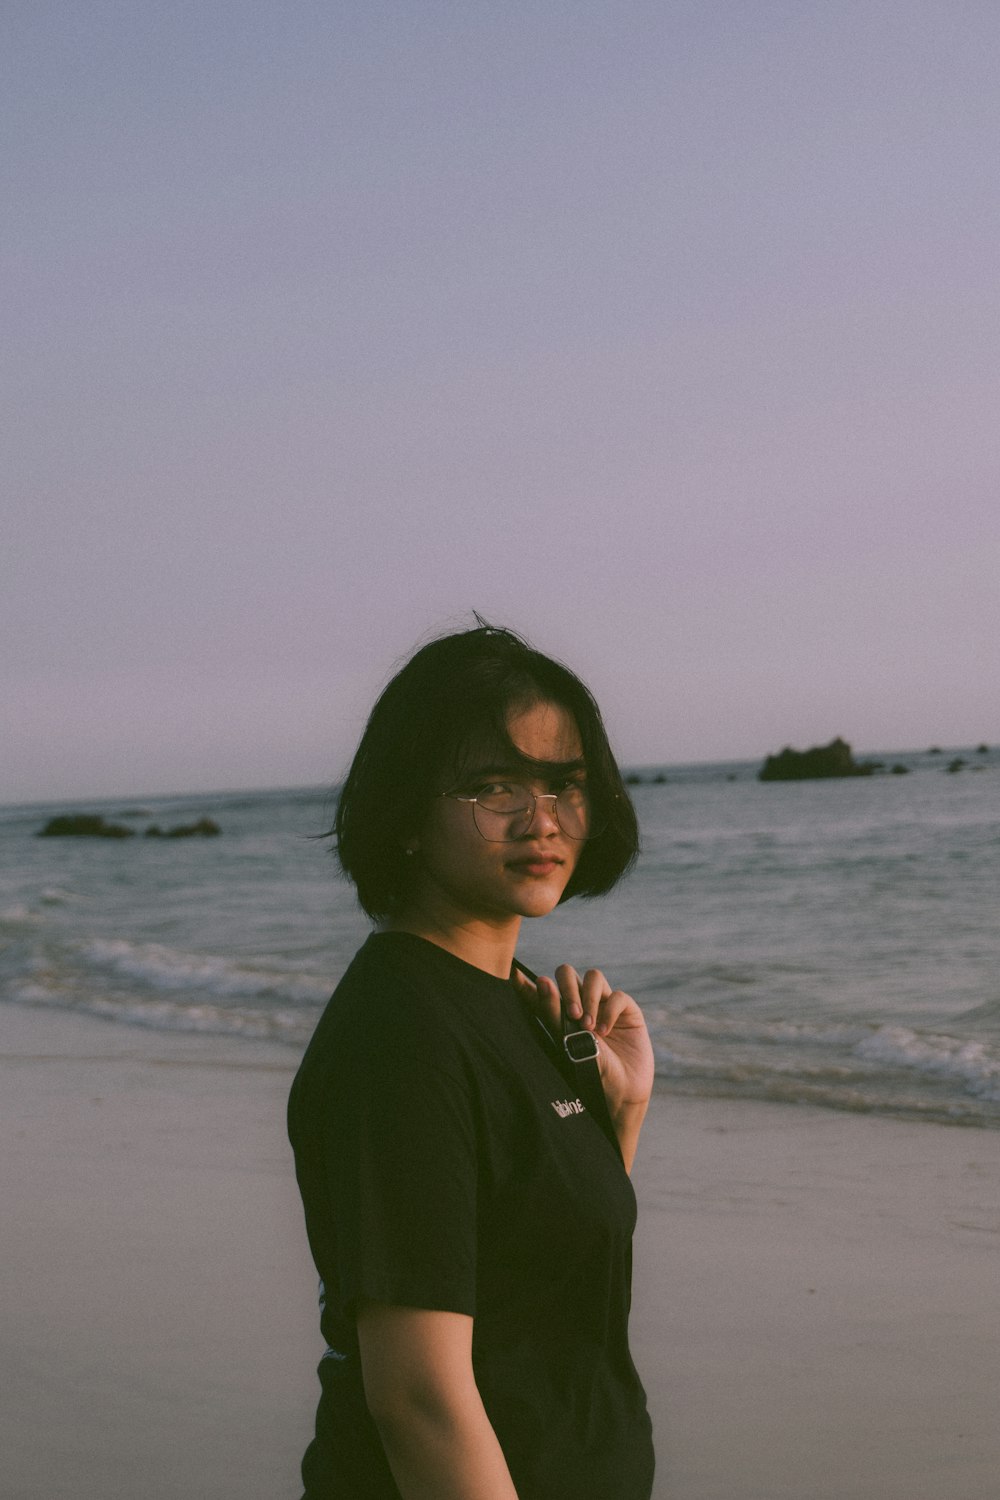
(814, 1308)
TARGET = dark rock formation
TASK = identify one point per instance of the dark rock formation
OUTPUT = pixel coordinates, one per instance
(956, 765)
(83, 825)
(900, 770)
(982, 749)
(818, 763)
(93, 826)
(205, 828)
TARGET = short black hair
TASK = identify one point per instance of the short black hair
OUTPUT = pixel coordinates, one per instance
(447, 707)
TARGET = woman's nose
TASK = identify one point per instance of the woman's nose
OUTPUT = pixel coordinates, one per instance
(544, 819)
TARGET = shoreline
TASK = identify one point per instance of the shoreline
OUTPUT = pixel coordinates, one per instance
(785, 1092)
(810, 1310)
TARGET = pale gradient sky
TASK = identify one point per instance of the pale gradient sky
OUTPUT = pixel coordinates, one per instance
(665, 331)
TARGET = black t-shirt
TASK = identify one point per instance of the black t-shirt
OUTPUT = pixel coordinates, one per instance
(445, 1162)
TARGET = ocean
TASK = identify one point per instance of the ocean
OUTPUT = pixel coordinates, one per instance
(827, 942)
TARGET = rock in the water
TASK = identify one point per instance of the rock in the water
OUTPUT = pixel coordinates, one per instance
(957, 764)
(83, 825)
(205, 828)
(818, 763)
(93, 826)
(900, 770)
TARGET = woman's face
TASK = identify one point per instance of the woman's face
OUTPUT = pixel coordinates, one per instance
(522, 877)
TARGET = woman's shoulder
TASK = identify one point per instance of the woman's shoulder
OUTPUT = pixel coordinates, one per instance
(395, 963)
(402, 990)
(391, 964)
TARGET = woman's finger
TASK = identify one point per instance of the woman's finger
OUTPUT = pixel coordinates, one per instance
(593, 990)
(612, 1008)
(553, 1005)
(569, 991)
(544, 996)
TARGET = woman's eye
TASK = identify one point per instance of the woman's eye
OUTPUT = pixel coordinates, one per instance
(494, 789)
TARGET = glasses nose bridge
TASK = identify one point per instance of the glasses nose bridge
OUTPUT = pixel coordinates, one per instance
(553, 812)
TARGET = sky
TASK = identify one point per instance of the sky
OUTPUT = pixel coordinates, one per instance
(662, 331)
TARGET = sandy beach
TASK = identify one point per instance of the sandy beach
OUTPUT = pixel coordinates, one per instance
(815, 1293)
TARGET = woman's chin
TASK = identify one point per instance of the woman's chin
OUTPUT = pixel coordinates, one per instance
(540, 897)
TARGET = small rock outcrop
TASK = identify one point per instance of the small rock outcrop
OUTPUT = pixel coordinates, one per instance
(93, 826)
(205, 828)
(83, 826)
(820, 762)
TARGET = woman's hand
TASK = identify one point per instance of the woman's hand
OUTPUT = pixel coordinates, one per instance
(626, 1053)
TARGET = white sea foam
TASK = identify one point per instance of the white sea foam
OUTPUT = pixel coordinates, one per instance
(20, 912)
(35, 994)
(214, 1020)
(172, 1015)
(54, 895)
(739, 1029)
(163, 968)
(969, 1063)
(17, 914)
(847, 1066)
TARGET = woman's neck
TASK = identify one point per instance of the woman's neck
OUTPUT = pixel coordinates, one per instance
(486, 945)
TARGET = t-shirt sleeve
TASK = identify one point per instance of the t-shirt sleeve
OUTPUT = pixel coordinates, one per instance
(401, 1172)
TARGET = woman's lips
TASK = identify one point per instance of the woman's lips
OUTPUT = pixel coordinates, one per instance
(537, 865)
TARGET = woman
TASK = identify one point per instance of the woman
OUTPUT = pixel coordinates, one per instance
(469, 1215)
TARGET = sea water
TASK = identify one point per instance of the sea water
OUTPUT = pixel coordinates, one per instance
(832, 942)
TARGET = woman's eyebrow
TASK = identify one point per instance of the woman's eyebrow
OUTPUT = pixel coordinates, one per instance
(485, 773)
(513, 769)
(562, 767)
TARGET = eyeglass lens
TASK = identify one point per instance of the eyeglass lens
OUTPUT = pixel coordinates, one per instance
(507, 812)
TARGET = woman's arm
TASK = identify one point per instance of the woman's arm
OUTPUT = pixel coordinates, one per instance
(626, 1056)
(422, 1394)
